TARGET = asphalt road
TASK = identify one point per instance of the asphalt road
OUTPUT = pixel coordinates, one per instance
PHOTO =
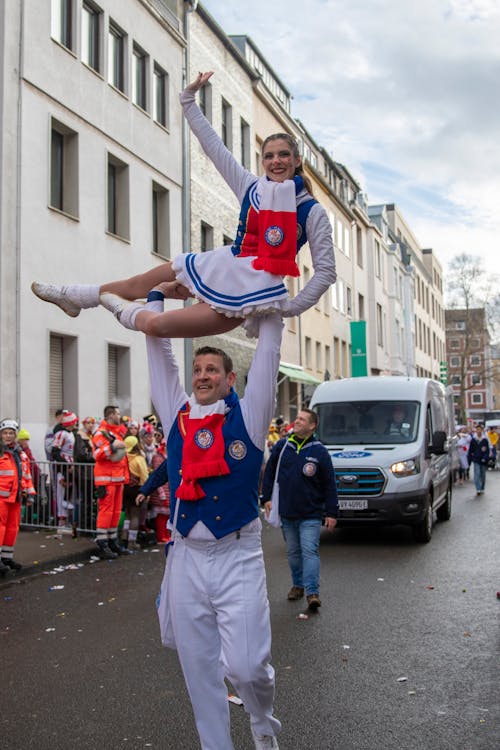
(403, 654)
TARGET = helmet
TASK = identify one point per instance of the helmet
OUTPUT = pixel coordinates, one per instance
(23, 435)
(9, 424)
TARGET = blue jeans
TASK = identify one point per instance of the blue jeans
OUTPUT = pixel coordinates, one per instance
(479, 476)
(302, 542)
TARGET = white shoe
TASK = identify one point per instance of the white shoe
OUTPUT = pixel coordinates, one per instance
(116, 304)
(265, 741)
(56, 295)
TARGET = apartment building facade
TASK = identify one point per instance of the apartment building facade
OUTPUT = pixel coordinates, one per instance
(91, 189)
(472, 371)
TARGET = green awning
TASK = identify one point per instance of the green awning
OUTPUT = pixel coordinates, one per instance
(298, 375)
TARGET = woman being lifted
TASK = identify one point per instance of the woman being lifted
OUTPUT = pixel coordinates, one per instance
(233, 283)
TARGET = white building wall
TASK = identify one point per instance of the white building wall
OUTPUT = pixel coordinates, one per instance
(55, 247)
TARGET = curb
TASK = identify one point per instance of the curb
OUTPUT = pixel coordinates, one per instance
(32, 571)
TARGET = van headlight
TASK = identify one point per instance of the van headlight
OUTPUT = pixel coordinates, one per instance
(406, 468)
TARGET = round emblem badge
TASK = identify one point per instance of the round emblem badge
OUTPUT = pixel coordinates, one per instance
(299, 231)
(204, 438)
(237, 450)
(309, 469)
(274, 236)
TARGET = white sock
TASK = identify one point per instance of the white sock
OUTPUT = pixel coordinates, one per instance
(127, 317)
(83, 295)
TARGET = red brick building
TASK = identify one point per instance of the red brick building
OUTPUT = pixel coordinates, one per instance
(468, 354)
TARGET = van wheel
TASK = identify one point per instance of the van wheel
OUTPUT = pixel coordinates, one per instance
(422, 532)
(443, 513)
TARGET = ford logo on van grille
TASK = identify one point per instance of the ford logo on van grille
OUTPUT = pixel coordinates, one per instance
(351, 454)
(360, 483)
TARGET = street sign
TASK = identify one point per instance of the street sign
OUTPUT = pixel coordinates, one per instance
(443, 372)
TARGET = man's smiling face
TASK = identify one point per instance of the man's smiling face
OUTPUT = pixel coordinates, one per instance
(210, 381)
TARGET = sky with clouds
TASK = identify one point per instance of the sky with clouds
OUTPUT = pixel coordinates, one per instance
(405, 94)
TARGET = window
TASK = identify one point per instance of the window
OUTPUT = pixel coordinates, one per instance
(348, 299)
(118, 215)
(62, 22)
(460, 325)
(475, 360)
(161, 221)
(347, 242)
(456, 379)
(308, 352)
(318, 356)
(455, 361)
(226, 125)
(91, 35)
(116, 57)
(118, 373)
(160, 96)
(378, 260)
(63, 169)
(63, 359)
(361, 307)
(380, 327)
(207, 237)
(477, 399)
(340, 235)
(454, 343)
(475, 379)
(205, 101)
(359, 247)
(475, 343)
(328, 361)
(245, 144)
(139, 77)
(226, 240)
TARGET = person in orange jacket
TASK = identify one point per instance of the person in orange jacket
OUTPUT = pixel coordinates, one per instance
(15, 484)
(110, 475)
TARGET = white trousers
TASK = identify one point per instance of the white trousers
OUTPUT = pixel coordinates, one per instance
(218, 599)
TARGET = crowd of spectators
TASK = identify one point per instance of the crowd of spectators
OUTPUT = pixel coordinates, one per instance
(64, 482)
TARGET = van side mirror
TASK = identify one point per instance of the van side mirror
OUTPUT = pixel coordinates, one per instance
(438, 445)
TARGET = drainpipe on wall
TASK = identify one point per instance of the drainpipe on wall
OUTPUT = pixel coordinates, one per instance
(18, 213)
(189, 7)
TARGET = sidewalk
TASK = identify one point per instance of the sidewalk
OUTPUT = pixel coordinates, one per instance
(41, 549)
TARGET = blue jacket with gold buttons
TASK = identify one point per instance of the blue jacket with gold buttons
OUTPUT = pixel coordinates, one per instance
(230, 501)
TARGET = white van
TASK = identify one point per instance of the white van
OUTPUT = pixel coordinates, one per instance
(389, 440)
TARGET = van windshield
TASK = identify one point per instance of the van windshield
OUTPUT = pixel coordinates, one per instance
(368, 422)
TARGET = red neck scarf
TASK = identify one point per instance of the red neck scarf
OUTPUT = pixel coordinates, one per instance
(202, 452)
(277, 241)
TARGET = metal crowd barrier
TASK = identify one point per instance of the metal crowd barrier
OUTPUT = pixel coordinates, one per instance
(63, 491)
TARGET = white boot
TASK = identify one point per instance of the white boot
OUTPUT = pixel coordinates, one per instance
(265, 741)
(71, 299)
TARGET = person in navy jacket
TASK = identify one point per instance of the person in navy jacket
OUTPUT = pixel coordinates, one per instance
(217, 590)
(307, 490)
(479, 455)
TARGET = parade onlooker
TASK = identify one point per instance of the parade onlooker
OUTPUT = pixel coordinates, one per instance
(15, 485)
(158, 504)
(307, 490)
(62, 453)
(479, 455)
(463, 443)
(23, 439)
(133, 428)
(139, 472)
(154, 487)
(493, 438)
(51, 433)
(83, 473)
(110, 475)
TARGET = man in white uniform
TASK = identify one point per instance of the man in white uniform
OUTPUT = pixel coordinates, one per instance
(218, 594)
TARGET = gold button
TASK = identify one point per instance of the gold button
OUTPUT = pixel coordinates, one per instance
(183, 515)
(216, 497)
(218, 518)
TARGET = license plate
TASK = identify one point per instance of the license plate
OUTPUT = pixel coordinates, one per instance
(353, 504)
